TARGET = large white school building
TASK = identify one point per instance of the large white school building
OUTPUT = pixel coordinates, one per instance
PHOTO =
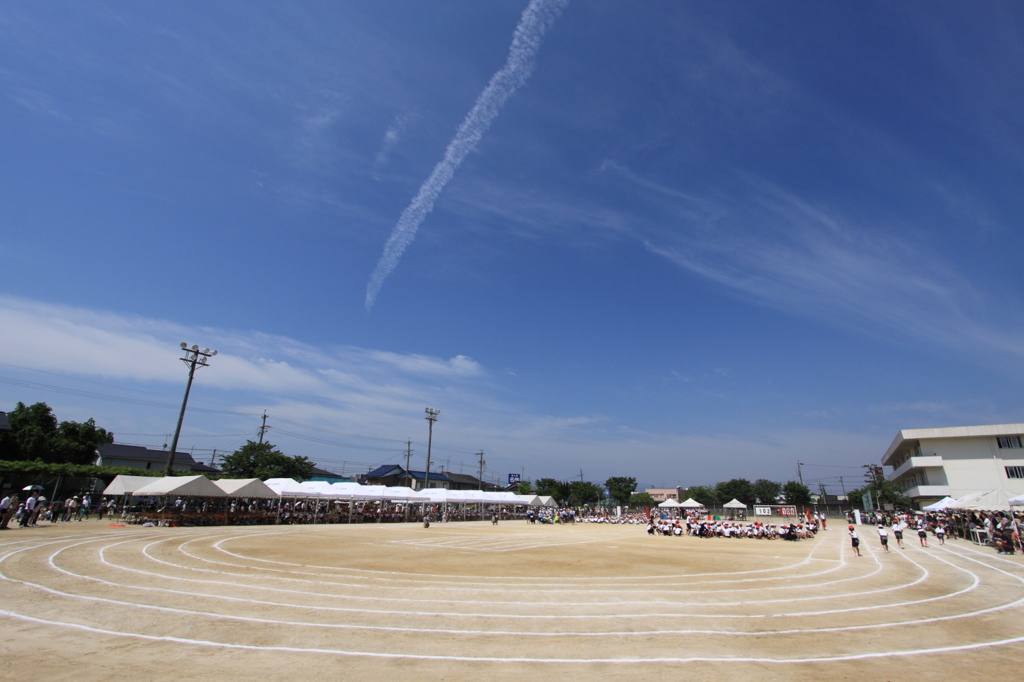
(930, 464)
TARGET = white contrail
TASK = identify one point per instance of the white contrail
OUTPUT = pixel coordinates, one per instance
(537, 18)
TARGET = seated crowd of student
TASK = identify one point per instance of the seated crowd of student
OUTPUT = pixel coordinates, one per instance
(711, 528)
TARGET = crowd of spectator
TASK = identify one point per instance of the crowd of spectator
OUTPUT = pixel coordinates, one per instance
(999, 530)
(704, 527)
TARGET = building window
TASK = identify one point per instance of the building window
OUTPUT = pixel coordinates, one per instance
(1011, 442)
(1015, 472)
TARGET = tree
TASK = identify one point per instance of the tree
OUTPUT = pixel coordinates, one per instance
(549, 487)
(32, 428)
(882, 491)
(641, 500)
(737, 488)
(706, 495)
(76, 443)
(36, 436)
(524, 488)
(584, 492)
(767, 492)
(263, 461)
(796, 493)
(620, 488)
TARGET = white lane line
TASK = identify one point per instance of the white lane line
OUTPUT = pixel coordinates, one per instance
(499, 659)
(493, 615)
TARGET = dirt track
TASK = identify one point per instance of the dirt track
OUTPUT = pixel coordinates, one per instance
(87, 601)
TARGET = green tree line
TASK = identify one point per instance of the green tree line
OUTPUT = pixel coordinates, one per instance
(621, 490)
(40, 446)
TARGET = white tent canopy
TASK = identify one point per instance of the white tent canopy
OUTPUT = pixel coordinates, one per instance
(734, 504)
(1017, 501)
(691, 503)
(944, 503)
(670, 503)
(316, 489)
(246, 487)
(402, 493)
(508, 497)
(984, 500)
(127, 485)
(196, 486)
(287, 487)
(547, 501)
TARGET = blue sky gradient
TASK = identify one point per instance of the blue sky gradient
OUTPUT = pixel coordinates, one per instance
(678, 241)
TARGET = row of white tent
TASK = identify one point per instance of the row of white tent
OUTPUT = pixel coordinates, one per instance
(985, 500)
(691, 503)
(277, 488)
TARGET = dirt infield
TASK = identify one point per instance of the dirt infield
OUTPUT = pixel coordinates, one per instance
(87, 601)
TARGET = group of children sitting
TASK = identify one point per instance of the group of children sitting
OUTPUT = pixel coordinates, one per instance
(705, 528)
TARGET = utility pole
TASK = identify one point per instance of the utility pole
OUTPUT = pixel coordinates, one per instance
(431, 418)
(193, 358)
(264, 427)
(799, 473)
(480, 478)
(408, 454)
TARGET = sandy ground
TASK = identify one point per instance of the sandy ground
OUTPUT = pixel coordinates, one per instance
(88, 601)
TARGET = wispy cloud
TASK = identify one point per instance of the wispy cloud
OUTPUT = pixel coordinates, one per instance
(369, 393)
(536, 19)
(106, 345)
(773, 247)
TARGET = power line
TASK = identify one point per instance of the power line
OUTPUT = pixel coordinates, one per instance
(314, 427)
(73, 378)
(110, 398)
(324, 441)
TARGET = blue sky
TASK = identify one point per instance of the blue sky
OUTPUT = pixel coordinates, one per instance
(680, 241)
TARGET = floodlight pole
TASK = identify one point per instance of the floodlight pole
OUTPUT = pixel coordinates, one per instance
(193, 358)
(431, 418)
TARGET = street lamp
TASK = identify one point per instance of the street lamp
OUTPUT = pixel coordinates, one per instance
(193, 358)
(431, 418)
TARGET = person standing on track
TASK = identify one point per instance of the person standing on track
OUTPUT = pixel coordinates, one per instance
(8, 506)
(883, 536)
(855, 540)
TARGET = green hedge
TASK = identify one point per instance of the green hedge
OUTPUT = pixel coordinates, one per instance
(51, 471)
